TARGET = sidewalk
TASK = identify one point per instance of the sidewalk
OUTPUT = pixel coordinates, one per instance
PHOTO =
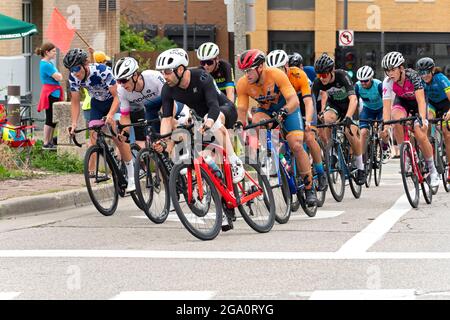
(48, 192)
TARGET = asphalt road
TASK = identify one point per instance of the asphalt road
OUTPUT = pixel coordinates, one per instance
(370, 248)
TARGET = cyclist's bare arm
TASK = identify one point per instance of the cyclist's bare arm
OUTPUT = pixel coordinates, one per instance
(230, 94)
(115, 105)
(75, 108)
(309, 108)
(353, 103)
(292, 103)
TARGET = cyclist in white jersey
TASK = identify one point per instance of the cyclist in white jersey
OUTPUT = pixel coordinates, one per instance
(140, 96)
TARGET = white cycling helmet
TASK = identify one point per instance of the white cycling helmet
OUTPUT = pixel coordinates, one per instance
(365, 73)
(125, 68)
(171, 59)
(392, 60)
(277, 58)
(207, 51)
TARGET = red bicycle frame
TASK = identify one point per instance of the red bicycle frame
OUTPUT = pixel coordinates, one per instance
(225, 190)
(406, 139)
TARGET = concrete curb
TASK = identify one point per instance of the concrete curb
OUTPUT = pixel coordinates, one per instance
(44, 202)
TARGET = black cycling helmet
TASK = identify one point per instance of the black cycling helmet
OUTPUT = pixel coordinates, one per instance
(295, 60)
(425, 64)
(75, 57)
(324, 64)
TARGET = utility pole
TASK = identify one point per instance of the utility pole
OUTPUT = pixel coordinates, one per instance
(185, 45)
(240, 45)
(345, 14)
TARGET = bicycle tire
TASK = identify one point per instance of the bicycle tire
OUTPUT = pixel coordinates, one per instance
(354, 187)
(368, 163)
(335, 173)
(378, 162)
(282, 216)
(97, 201)
(445, 160)
(178, 188)
(151, 181)
(309, 211)
(268, 201)
(407, 172)
(427, 191)
(134, 151)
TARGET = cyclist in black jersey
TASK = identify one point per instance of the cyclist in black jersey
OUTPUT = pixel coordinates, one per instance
(197, 89)
(341, 105)
(219, 69)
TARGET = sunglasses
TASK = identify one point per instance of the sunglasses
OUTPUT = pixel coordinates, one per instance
(167, 71)
(207, 62)
(322, 75)
(249, 69)
(122, 81)
(424, 72)
(75, 69)
(364, 81)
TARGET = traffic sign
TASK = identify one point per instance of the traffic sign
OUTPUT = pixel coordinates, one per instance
(346, 38)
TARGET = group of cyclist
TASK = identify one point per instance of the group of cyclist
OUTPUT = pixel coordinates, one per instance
(301, 96)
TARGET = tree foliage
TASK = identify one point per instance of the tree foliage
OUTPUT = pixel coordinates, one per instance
(135, 40)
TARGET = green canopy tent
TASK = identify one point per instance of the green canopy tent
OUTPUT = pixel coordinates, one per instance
(11, 28)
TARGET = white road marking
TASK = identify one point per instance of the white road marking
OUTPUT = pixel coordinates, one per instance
(383, 294)
(226, 255)
(165, 295)
(321, 214)
(9, 295)
(362, 241)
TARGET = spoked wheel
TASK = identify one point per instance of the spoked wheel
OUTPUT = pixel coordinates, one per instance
(445, 174)
(280, 189)
(152, 186)
(200, 214)
(377, 162)
(410, 180)
(335, 174)
(100, 181)
(259, 212)
(427, 190)
(356, 189)
(368, 163)
(134, 153)
(309, 210)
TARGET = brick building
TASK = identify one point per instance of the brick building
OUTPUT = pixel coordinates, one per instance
(207, 21)
(414, 27)
(97, 21)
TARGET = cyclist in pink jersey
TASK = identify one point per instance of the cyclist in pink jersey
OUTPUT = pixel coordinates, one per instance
(409, 99)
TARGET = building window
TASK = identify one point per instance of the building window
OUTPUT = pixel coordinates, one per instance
(197, 34)
(107, 5)
(294, 41)
(291, 4)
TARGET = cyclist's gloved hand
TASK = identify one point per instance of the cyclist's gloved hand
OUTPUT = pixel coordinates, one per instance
(238, 125)
(282, 114)
(347, 121)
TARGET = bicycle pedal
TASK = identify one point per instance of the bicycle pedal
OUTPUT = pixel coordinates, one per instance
(227, 227)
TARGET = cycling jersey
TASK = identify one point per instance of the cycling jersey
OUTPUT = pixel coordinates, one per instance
(309, 70)
(271, 96)
(338, 91)
(437, 90)
(202, 95)
(302, 86)
(371, 97)
(149, 96)
(97, 83)
(412, 83)
(223, 76)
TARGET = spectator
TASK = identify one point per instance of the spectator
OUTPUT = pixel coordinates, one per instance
(51, 90)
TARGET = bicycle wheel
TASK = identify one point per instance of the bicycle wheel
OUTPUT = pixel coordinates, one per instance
(410, 180)
(202, 217)
(152, 186)
(378, 161)
(335, 174)
(310, 211)
(356, 189)
(134, 153)
(101, 181)
(425, 186)
(259, 213)
(445, 160)
(368, 163)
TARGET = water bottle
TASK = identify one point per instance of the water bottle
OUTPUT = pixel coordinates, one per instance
(284, 163)
(214, 167)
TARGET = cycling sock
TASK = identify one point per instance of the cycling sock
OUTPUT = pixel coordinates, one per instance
(359, 162)
(430, 165)
(318, 167)
(130, 168)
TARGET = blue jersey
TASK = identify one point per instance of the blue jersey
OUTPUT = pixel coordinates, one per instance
(436, 91)
(97, 83)
(309, 70)
(46, 70)
(373, 97)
